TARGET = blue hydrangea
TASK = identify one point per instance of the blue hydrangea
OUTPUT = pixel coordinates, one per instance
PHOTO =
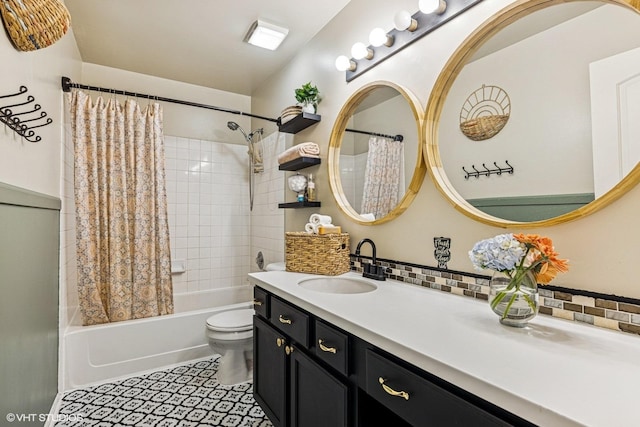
(500, 253)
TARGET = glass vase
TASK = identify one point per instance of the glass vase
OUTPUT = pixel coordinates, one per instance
(514, 299)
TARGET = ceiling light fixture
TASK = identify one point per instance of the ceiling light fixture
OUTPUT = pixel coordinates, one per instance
(265, 35)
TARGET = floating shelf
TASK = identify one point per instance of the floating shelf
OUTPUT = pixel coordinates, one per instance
(299, 163)
(299, 123)
(297, 205)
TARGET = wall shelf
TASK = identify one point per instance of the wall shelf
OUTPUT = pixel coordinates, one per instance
(299, 163)
(299, 123)
(298, 205)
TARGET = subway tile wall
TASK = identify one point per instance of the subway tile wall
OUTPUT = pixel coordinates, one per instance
(209, 216)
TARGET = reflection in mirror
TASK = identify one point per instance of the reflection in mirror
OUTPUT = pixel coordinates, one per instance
(572, 72)
(375, 159)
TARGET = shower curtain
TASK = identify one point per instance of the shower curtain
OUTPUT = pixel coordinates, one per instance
(384, 176)
(124, 263)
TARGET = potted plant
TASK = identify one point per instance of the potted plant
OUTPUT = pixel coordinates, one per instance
(308, 97)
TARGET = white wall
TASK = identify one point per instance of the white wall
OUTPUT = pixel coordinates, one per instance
(36, 166)
(602, 247)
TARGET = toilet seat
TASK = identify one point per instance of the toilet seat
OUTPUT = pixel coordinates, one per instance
(231, 321)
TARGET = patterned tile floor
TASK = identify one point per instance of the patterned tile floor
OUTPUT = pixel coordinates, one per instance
(184, 396)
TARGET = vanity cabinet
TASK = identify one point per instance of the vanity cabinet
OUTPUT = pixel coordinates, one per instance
(290, 384)
(310, 373)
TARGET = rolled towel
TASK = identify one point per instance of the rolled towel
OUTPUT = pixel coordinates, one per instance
(304, 149)
(311, 228)
(318, 219)
(368, 217)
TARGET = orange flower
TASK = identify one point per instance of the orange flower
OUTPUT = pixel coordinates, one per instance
(544, 254)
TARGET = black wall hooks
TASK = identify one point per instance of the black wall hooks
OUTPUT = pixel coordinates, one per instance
(22, 116)
(487, 172)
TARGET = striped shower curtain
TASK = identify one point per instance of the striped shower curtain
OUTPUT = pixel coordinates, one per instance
(124, 263)
(383, 177)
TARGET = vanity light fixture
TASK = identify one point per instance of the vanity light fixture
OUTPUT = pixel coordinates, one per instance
(379, 37)
(408, 28)
(432, 6)
(345, 64)
(403, 21)
(265, 35)
(360, 51)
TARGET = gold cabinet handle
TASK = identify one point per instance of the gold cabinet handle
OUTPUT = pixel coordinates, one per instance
(280, 341)
(288, 349)
(284, 320)
(257, 303)
(391, 391)
(325, 348)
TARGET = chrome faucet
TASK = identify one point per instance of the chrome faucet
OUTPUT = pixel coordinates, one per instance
(371, 271)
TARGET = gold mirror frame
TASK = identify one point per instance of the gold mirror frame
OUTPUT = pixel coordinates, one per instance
(438, 97)
(337, 134)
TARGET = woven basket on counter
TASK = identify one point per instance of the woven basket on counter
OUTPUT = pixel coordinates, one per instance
(326, 254)
(34, 24)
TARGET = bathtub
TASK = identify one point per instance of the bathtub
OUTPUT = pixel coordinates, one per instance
(94, 354)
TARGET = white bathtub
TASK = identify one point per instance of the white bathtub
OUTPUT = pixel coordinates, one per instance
(94, 354)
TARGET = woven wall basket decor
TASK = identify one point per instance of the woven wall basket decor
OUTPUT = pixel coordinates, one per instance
(34, 24)
(484, 113)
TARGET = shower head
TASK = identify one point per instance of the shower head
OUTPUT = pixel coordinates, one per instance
(235, 126)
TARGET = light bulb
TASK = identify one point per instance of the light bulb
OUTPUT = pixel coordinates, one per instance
(432, 6)
(345, 64)
(403, 21)
(379, 37)
(360, 51)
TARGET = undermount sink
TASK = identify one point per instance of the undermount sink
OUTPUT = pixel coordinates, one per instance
(338, 285)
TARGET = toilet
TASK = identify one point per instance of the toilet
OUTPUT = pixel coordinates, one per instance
(230, 334)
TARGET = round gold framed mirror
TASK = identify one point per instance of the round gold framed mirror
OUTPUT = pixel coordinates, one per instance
(571, 69)
(375, 159)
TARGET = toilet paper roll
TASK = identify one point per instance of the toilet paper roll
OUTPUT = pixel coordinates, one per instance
(320, 219)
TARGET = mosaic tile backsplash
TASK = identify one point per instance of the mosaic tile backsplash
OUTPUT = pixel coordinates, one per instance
(620, 314)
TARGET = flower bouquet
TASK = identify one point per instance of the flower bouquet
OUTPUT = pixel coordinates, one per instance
(520, 261)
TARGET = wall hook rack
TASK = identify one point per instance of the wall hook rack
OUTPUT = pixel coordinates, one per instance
(487, 172)
(17, 114)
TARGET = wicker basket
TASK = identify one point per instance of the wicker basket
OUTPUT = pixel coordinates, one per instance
(34, 24)
(484, 127)
(326, 254)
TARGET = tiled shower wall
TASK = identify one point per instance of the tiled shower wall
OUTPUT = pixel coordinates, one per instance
(267, 220)
(209, 217)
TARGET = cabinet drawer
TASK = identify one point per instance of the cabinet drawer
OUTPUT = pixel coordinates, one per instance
(418, 400)
(290, 320)
(261, 302)
(332, 347)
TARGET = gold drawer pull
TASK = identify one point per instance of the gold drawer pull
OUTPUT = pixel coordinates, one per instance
(325, 348)
(391, 391)
(284, 320)
(256, 302)
(288, 349)
(280, 341)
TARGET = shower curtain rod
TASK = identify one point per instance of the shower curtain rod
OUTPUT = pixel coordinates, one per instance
(67, 85)
(394, 137)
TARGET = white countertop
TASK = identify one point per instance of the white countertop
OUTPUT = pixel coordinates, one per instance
(553, 372)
